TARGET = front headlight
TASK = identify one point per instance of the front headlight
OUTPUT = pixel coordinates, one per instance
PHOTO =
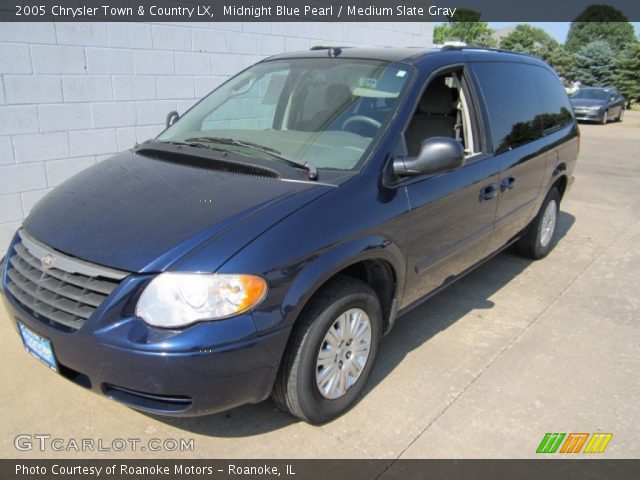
(179, 299)
(595, 107)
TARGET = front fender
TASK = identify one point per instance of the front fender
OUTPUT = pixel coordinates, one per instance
(330, 262)
(293, 284)
(355, 222)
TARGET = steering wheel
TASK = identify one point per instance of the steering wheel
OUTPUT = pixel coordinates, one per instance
(368, 122)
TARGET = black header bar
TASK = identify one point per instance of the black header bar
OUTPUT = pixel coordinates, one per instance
(300, 10)
(319, 469)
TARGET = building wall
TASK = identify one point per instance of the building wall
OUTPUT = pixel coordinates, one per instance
(72, 94)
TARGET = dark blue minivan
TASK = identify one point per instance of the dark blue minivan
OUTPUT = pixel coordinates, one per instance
(269, 237)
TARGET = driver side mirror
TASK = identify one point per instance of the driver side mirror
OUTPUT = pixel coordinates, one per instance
(437, 154)
(172, 117)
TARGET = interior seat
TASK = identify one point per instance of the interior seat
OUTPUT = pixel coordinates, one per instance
(435, 117)
(337, 99)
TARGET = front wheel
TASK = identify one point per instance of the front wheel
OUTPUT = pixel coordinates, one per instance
(620, 116)
(605, 118)
(331, 352)
(540, 236)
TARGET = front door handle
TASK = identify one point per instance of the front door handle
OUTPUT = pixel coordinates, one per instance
(507, 183)
(488, 192)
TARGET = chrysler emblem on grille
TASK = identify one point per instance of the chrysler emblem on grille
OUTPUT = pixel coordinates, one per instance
(47, 260)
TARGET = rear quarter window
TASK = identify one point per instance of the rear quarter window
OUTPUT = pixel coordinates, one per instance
(554, 102)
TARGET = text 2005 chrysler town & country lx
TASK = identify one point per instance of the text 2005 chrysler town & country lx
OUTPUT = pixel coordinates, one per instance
(268, 238)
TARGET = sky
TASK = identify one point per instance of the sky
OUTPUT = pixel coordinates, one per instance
(558, 30)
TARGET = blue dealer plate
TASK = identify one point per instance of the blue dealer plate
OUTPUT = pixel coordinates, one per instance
(38, 346)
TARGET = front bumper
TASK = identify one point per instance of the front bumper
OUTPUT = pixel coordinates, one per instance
(206, 368)
(589, 115)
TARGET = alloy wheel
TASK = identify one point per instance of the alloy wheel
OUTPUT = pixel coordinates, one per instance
(548, 224)
(343, 353)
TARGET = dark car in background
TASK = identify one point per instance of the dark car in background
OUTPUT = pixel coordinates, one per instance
(267, 239)
(598, 104)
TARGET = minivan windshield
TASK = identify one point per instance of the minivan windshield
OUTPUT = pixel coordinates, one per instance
(592, 94)
(326, 112)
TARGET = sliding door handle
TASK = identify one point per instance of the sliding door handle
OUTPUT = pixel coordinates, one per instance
(488, 192)
(507, 183)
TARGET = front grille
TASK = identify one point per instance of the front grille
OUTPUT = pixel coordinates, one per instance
(65, 292)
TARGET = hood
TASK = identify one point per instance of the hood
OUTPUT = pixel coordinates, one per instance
(140, 214)
(586, 102)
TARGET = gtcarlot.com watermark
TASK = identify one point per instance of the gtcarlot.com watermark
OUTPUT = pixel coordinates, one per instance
(44, 442)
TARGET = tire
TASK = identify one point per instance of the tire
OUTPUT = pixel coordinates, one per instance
(297, 389)
(538, 240)
(605, 118)
(620, 115)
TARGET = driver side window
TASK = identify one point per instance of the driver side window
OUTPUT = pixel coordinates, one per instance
(443, 111)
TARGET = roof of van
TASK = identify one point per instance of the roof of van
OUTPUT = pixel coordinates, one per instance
(405, 55)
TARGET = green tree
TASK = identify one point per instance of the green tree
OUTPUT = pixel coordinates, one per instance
(600, 22)
(627, 73)
(528, 39)
(465, 26)
(562, 61)
(594, 64)
(535, 41)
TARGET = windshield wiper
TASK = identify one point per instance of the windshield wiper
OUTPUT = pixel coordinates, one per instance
(309, 167)
(195, 144)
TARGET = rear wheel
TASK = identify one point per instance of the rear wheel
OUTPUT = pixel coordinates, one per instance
(620, 115)
(331, 352)
(540, 236)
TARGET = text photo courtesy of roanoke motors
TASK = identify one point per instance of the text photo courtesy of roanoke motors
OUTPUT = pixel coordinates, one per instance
(319, 239)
